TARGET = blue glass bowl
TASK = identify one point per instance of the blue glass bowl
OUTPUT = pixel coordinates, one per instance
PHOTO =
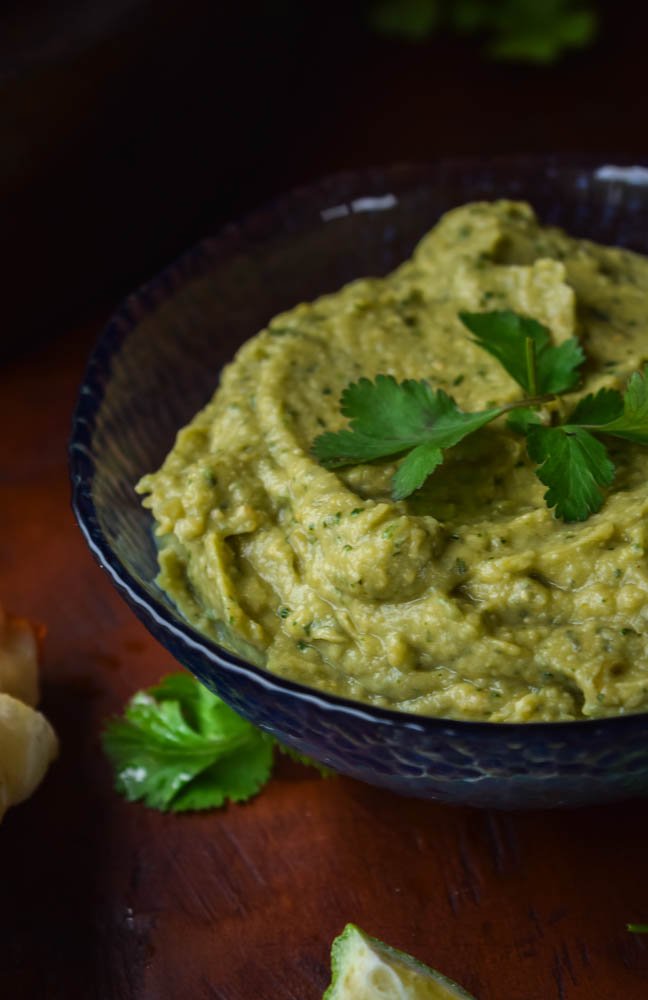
(157, 362)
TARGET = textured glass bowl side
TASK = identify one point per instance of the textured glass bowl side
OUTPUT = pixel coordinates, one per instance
(157, 362)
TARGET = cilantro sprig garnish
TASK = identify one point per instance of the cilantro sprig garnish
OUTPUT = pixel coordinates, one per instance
(180, 747)
(410, 419)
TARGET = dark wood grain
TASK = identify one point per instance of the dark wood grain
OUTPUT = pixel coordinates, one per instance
(101, 899)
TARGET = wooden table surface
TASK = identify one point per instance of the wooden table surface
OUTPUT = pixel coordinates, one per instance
(103, 899)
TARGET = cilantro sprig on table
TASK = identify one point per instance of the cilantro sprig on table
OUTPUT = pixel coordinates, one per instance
(180, 747)
(390, 419)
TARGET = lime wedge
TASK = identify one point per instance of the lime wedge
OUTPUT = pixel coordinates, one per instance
(364, 968)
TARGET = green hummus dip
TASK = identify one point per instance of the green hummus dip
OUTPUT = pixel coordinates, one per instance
(470, 599)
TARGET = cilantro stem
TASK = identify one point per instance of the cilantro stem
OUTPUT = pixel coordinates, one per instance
(547, 397)
(532, 370)
(637, 928)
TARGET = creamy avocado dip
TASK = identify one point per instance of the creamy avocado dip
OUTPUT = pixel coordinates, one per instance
(469, 599)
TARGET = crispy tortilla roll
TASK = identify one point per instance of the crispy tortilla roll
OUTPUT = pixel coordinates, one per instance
(28, 745)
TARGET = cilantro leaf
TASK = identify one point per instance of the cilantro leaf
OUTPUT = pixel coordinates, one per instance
(622, 416)
(388, 418)
(413, 20)
(539, 33)
(522, 419)
(523, 31)
(301, 758)
(598, 408)
(505, 335)
(415, 469)
(236, 777)
(558, 366)
(574, 465)
(181, 747)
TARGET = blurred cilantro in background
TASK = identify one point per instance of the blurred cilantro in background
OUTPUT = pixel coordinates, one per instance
(531, 31)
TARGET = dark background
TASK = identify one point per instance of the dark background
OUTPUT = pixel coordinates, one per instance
(129, 129)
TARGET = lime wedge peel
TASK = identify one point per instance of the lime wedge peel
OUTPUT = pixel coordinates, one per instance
(364, 968)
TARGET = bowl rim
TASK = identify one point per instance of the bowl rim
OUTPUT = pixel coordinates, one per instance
(195, 263)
